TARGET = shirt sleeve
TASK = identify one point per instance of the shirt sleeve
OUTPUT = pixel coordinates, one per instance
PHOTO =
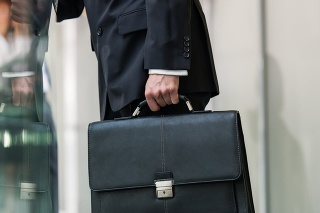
(168, 72)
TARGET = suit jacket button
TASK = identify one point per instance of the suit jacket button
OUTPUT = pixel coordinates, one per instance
(99, 31)
(186, 49)
(187, 38)
(186, 55)
(186, 44)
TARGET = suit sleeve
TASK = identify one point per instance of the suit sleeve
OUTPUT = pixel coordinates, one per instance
(168, 39)
(68, 9)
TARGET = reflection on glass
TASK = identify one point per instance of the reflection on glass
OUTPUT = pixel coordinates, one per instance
(7, 142)
(24, 166)
(25, 142)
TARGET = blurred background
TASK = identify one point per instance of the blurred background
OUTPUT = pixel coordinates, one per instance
(267, 56)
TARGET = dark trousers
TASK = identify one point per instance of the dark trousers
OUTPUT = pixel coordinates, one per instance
(198, 102)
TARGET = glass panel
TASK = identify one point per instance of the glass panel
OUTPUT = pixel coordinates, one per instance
(26, 144)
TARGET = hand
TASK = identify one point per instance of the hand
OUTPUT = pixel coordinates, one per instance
(22, 91)
(161, 90)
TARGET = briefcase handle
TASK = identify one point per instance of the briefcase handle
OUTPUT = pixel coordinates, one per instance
(144, 104)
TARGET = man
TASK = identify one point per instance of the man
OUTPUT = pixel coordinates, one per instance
(151, 49)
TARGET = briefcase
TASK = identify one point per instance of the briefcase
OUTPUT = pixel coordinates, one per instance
(24, 164)
(190, 163)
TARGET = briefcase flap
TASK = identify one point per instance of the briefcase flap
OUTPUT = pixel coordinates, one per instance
(194, 148)
(24, 154)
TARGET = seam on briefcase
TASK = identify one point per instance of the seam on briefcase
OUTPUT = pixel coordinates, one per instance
(162, 145)
(100, 202)
(89, 130)
(234, 198)
(238, 140)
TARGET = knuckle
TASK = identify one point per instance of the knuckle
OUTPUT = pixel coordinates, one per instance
(148, 94)
(152, 94)
(156, 94)
(164, 90)
(173, 89)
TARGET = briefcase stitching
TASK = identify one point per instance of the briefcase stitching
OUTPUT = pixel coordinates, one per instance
(162, 144)
(162, 141)
(243, 162)
(89, 149)
(238, 140)
(166, 206)
(100, 202)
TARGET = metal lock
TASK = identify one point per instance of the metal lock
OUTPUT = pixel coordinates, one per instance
(28, 191)
(2, 107)
(164, 189)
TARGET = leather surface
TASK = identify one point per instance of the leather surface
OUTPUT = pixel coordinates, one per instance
(203, 151)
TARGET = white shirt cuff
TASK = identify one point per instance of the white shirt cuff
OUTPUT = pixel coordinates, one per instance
(169, 72)
(17, 74)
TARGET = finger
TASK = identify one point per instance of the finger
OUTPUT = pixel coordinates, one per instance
(153, 105)
(174, 96)
(29, 99)
(160, 101)
(29, 91)
(167, 98)
(16, 98)
(24, 98)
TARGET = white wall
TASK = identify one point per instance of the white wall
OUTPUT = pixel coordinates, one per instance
(235, 37)
(293, 36)
(292, 73)
(74, 98)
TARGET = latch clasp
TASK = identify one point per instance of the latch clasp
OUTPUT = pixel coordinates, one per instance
(164, 189)
(28, 191)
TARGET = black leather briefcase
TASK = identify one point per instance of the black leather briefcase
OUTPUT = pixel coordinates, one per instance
(191, 163)
(24, 164)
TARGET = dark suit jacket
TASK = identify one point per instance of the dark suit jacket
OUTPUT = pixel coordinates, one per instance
(131, 36)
